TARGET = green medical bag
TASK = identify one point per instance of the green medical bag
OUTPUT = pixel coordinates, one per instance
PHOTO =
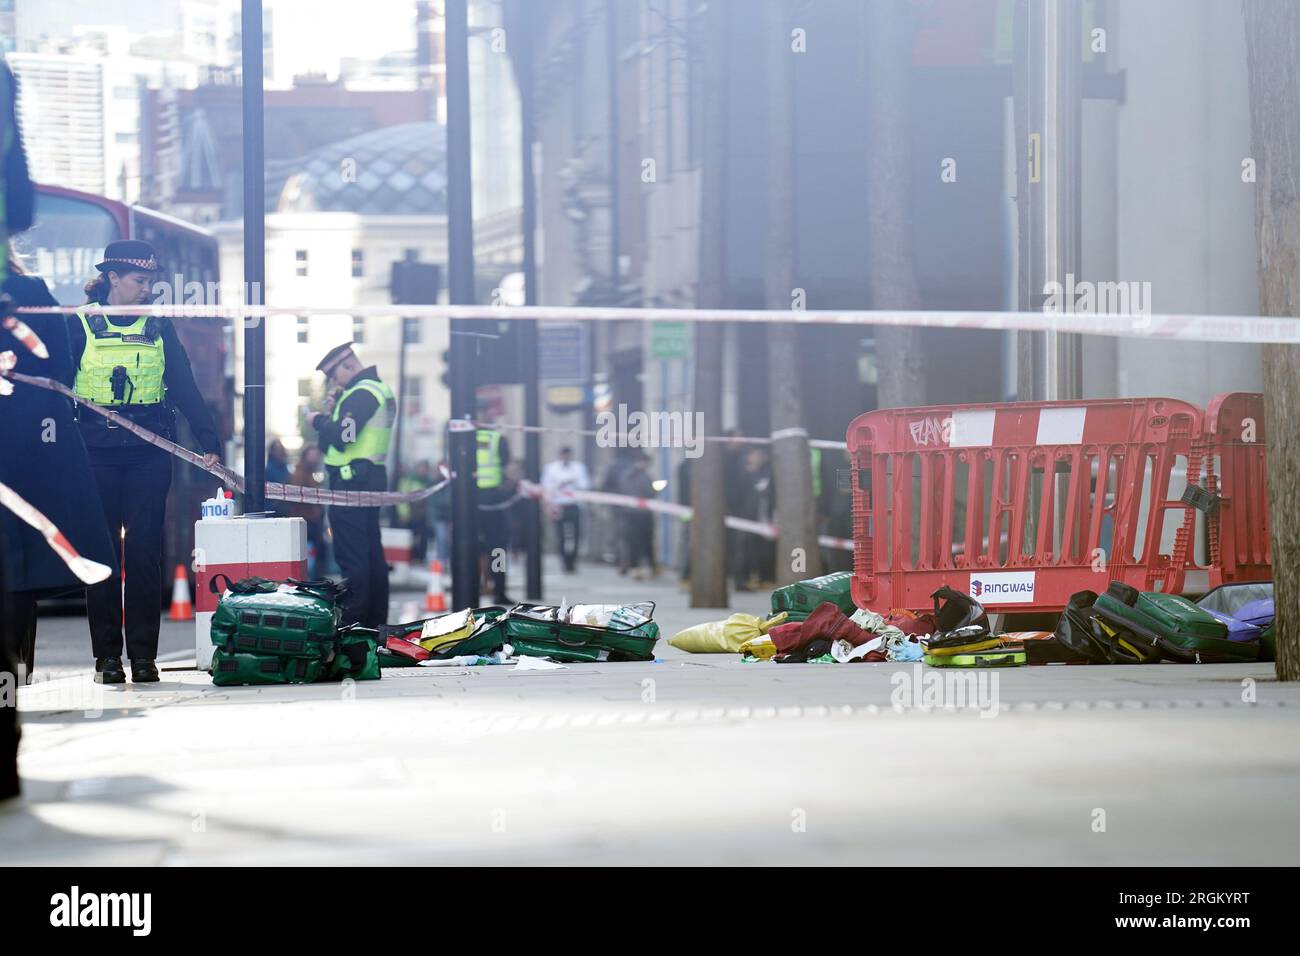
(230, 669)
(268, 632)
(1171, 625)
(526, 628)
(799, 600)
(357, 656)
(294, 619)
(1268, 643)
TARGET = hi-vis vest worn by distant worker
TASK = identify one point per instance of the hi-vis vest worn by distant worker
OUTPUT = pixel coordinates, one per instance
(371, 443)
(110, 347)
(488, 459)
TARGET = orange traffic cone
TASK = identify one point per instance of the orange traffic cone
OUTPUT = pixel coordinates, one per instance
(434, 601)
(182, 609)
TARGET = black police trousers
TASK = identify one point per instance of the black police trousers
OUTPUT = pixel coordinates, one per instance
(359, 550)
(133, 486)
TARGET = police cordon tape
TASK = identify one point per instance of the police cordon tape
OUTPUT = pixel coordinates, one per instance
(24, 334)
(362, 499)
(625, 439)
(232, 479)
(685, 511)
(1183, 328)
(88, 571)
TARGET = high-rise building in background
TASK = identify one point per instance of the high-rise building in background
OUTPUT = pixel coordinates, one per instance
(83, 73)
(8, 26)
(61, 110)
(494, 114)
(431, 52)
(148, 108)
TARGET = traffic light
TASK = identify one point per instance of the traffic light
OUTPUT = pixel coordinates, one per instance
(415, 283)
(499, 357)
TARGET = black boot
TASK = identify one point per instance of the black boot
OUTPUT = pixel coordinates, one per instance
(143, 671)
(108, 670)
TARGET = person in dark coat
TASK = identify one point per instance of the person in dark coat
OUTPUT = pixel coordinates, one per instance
(639, 524)
(43, 460)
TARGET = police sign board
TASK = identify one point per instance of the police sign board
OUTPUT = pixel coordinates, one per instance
(1002, 587)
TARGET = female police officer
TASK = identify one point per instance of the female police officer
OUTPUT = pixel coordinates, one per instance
(137, 367)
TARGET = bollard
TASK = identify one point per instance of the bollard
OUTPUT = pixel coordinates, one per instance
(241, 547)
(397, 544)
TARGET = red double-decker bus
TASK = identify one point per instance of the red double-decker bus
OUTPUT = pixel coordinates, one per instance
(68, 237)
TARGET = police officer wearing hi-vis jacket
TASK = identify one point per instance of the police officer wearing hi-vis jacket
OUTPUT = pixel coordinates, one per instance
(355, 430)
(135, 366)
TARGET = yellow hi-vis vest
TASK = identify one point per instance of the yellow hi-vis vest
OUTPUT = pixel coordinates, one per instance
(126, 346)
(488, 459)
(372, 442)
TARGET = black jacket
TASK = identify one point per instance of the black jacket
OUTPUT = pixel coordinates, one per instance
(182, 394)
(44, 459)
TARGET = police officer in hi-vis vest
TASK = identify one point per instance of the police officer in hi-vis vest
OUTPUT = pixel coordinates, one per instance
(355, 429)
(137, 367)
(492, 455)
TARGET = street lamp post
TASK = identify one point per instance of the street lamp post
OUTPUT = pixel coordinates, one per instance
(1049, 101)
(254, 259)
(461, 440)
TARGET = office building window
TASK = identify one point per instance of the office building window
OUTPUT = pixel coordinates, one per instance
(358, 263)
(358, 330)
(301, 257)
(302, 329)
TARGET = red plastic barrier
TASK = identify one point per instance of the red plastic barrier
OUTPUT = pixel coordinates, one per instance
(1237, 471)
(1023, 504)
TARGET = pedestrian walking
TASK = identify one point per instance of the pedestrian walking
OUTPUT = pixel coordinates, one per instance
(437, 510)
(414, 517)
(638, 522)
(277, 470)
(615, 531)
(560, 479)
(308, 474)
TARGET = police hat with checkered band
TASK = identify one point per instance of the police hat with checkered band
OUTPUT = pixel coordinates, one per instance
(127, 255)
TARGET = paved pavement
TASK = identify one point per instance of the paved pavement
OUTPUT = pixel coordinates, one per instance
(690, 759)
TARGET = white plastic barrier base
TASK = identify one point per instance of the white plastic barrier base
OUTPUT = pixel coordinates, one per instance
(240, 547)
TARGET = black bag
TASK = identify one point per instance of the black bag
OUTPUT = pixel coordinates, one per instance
(960, 620)
(1075, 630)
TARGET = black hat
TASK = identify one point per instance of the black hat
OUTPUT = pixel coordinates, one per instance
(128, 254)
(333, 357)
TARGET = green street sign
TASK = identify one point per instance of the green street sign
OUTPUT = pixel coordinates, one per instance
(670, 340)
